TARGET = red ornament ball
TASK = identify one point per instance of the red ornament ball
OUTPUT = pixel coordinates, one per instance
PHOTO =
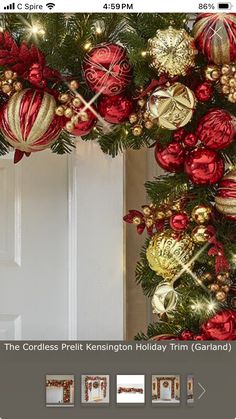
(226, 196)
(28, 121)
(216, 129)
(215, 35)
(204, 91)
(170, 158)
(204, 166)
(222, 326)
(179, 134)
(179, 222)
(107, 69)
(115, 109)
(83, 127)
(190, 140)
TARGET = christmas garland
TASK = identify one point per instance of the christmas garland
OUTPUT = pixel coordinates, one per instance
(129, 81)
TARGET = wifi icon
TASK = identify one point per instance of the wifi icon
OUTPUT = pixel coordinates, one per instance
(50, 5)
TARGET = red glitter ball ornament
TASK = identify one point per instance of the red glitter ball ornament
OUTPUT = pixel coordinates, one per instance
(179, 222)
(204, 166)
(216, 129)
(115, 109)
(84, 127)
(170, 158)
(190, 140)
(107, 69)
(179, 134)
(204, 91)
(222, 326)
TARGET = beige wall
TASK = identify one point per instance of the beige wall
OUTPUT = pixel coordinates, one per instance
(140, 166)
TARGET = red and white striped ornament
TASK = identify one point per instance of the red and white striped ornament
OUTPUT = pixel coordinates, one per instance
(28, 121)
(215, 36)
(226, 195)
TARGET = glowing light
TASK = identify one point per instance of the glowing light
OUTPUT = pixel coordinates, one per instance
(1, 29)
(197, 306)
(212, 306)
(87, 46)
(144, 53)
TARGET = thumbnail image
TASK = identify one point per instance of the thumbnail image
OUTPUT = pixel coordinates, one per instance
(190, 389)
(95, 389)
(130, 389)
(166, 389)
(60, 390)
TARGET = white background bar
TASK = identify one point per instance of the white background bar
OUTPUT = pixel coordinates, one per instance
(103, 6)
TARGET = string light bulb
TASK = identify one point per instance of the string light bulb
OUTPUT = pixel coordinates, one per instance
(87, 46)
(144, 53)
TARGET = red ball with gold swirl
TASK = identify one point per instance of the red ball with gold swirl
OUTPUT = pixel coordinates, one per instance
(107, 69)
(28, 121)
(226, 195)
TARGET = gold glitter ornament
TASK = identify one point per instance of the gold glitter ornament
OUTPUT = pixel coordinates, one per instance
(173, 51)
(201, 214)
(167, 254)
(171, 106)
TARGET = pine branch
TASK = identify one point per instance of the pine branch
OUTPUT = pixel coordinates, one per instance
(64, 144)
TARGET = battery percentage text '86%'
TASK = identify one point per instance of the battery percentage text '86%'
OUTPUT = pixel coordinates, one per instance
(206, 6)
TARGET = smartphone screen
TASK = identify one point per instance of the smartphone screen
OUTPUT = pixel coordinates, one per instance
(117, 209)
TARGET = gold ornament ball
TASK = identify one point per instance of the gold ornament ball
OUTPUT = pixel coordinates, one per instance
(171, 106)
(212, 72)
(148, 124)
(221, 296)
(172, 51)
(167, 255)
(224, 80)
(7, 88)
(60, 111)
(200, 234)
(225, 69)
(8, 74)
(225, 89)
(74, 85)
(137, 130)
(222, 279)
(133, 118)
(18, 86)
(201, 214)
(68, 113)
(225, 288)
(160, 215)
(70, 126)
(64, 97)
(214, 287)
(77, 102)
(83, 116)
(147, 210)
(137, 221)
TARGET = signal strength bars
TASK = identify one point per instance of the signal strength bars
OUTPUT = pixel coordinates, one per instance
(10, 7)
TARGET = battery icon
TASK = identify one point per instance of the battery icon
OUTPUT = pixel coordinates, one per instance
(224, 6)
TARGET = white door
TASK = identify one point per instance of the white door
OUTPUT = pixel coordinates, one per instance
(55, 279)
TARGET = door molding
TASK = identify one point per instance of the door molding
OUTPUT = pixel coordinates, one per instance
(72, 248)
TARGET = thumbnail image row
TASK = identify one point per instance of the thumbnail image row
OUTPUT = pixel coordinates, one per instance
(95, 389)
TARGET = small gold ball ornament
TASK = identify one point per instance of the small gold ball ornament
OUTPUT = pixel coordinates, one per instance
(201, 214)
(137, 130)
(212, 72)
(171, 106)
(221, 296)
(172, 51)
(200, 234)
(133, 118)
(167, 254)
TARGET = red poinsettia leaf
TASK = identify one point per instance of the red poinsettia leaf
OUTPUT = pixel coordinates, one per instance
(160, 225)
(37, 55)
(141, 228)
(18, 156)
(150, 231)
(24, 55)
